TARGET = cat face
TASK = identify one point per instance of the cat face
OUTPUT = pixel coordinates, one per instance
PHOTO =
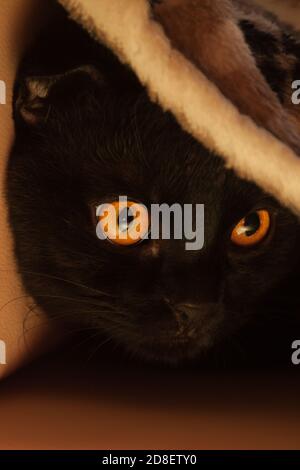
(83, 144)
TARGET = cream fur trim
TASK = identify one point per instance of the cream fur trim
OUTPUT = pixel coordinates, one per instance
(127, 28)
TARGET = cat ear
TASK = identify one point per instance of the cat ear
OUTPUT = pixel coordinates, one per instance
(33, 101)
(32, 104)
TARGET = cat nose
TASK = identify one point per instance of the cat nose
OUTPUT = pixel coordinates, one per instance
(184, 312)
(185, 316)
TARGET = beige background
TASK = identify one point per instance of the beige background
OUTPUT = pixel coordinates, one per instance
(19, 19)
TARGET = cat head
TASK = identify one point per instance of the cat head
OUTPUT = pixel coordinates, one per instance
(82, 143)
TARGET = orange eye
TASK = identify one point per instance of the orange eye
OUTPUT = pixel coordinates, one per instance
(252, 229)
(123, 222)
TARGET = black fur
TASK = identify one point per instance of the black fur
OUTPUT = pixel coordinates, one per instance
(99, 138)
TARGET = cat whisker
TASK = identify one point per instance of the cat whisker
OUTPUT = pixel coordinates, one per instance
(71, 299)
(68, 281)
(106, 341)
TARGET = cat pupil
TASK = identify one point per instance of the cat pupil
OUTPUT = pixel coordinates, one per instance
(125, 219)
(252, 224)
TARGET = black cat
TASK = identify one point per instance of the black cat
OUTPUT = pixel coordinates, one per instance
(88, 133)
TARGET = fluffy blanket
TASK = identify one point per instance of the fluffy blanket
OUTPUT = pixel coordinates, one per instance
(224, 68)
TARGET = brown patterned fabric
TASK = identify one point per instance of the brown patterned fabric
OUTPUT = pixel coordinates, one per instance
(225, 69)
